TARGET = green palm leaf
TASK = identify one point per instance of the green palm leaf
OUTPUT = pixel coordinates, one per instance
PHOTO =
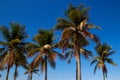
(5, 33)
(110, 61)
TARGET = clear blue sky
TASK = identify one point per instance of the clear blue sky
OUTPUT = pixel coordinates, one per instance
(36, 14)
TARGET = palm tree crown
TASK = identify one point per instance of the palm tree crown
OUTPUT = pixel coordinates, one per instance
(13, 46)
(104, 52)
(44, 47)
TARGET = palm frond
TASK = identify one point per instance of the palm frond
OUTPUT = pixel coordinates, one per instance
(31, 45)
(37, 38)
(94, 61)
(37, 60)
(36, 71)
(110, 61)
(18, 31)
(5, 33)
(77, 14)
(43, 37)
(25, 66)
(1, 50)
(96, 39)
(4, 43)
(33, 51)
(66, 35)
(52, 63)
(110, 53)
(70, 57)
(3, 56)
(32, 48)
(99, 49)
(96, 67)
(92, 36)
(62, 24)
(69, 52)
(86, 53)
(59, 55)
(91, 26)
(80, 40)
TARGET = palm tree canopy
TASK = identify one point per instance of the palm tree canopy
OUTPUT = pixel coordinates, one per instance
(75, 17)
(16, 31)
(75, 27)
(44, 37)
(42, 40)
(44, 46)
(13, 49)
(104, 51)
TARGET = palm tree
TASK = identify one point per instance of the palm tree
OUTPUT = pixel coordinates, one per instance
(44, 48)
(30, 69)
(12, 40)
(104, 51)
(75, 29)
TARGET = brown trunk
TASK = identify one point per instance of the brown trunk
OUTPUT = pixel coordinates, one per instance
(8, 70)
(76, 71)
(78, 65)
(103, 76)
(15, 74)
(45, 67)
(30, 76)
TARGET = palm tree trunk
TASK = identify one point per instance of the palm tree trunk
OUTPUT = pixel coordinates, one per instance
(15, 73)
(103, 76)
(76, 71)
(8, 70)
(78, 66)
(30, 76)
(45, 67)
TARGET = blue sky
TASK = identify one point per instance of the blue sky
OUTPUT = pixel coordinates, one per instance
(36, 14)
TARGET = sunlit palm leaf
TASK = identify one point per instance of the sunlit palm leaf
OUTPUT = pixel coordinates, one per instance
(2, 56)
(86, 53)
(90, 26)
(4, 43)
(37, 60)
